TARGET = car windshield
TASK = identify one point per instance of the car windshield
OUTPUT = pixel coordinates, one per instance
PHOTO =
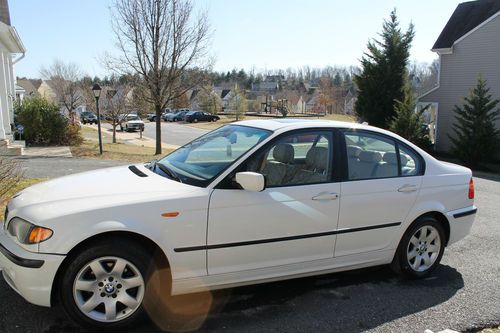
(202, 160)
(133, 118)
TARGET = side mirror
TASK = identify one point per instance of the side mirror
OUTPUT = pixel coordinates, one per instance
(251, 181)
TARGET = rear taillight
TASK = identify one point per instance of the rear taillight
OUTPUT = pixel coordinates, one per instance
(471, 189)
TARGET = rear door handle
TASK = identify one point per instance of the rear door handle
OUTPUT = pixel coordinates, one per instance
(326, 196)
(407, 188)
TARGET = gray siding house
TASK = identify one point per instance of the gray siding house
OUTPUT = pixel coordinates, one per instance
(468, 46)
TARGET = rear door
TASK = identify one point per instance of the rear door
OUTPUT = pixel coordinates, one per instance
(379, 188)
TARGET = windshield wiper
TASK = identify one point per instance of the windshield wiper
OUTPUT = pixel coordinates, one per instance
(171, 174)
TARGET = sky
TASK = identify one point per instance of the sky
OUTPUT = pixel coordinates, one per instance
(252, 34)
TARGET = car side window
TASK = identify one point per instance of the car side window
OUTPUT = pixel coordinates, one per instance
(370, 156)
(410, 163)
(295, 159)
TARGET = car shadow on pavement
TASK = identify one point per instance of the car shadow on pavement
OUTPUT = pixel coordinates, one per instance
(352, 301)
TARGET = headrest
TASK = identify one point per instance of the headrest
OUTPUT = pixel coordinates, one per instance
(284, 153)
(391, 157)
(404, 159)
(370, 156)
(353, 151)
(317, 158)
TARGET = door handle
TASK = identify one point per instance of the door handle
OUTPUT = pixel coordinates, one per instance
(407, 188)
(325, 196)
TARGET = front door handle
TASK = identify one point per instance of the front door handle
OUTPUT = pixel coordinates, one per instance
(326, 196)
(407, 188)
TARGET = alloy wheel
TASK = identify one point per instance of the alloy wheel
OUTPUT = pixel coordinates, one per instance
(423, 248)
(108, 289)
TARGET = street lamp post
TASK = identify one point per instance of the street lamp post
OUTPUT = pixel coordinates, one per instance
(96, 89)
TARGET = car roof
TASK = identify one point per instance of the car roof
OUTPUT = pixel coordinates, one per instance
(297, 123)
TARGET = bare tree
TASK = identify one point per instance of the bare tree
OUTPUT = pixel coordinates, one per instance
(64, 80)
(238, 103)
(163, 43)
(117, 105)
(209, 100)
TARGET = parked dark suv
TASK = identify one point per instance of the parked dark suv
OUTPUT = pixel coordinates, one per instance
(88, 117)
(196, 116)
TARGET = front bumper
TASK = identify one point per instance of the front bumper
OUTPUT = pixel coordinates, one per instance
(30, 274)
(461, 221)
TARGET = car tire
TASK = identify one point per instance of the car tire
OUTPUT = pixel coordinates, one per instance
(214, 120)
(421, 248)
(195, 120)
(79, 285)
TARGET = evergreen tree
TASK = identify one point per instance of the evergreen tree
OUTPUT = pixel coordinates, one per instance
(408, 123)
(383, 75)
(475, 138)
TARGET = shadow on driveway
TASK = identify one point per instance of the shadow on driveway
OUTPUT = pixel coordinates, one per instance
(345, 302)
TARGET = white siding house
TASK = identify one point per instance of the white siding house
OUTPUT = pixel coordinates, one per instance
(11, 51)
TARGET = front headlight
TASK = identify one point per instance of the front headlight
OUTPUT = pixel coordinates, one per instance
(28, 233)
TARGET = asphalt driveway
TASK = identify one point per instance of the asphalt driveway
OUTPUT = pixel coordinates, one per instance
(462, 294)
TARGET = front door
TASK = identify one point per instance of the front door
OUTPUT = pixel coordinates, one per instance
(291, 221)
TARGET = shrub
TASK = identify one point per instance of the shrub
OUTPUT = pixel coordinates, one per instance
(10, 174)
(43, 123)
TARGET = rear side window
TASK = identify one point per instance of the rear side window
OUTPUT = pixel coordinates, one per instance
(410, 163)
(372, 156)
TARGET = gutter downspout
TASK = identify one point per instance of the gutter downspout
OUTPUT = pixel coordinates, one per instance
(15, 61)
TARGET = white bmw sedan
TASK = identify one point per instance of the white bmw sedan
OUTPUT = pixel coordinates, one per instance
(251, 202)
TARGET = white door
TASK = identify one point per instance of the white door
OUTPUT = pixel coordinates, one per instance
(378, 194)
(293, 220)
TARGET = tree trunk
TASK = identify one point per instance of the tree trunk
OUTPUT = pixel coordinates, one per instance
(114, 132)
(158, 129)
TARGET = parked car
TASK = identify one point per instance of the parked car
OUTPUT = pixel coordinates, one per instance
(167, 112)
(250, 202)
(178, 116)
(88, 117)
(196, 116)
(131, 122)
(151, 117)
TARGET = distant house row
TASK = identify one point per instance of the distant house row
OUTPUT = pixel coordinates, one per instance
(304, 98)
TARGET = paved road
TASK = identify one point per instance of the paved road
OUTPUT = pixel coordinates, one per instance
(173, 133)
(463, 293)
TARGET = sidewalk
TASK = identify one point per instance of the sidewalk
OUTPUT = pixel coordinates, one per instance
(63, 151)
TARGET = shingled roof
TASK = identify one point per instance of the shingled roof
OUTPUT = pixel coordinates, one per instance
(466, 17)
(4, 12)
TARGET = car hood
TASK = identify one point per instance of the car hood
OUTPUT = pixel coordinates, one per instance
(110, 184)
(135, 122)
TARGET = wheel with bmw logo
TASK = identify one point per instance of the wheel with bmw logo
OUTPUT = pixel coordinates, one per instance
(104, 286)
